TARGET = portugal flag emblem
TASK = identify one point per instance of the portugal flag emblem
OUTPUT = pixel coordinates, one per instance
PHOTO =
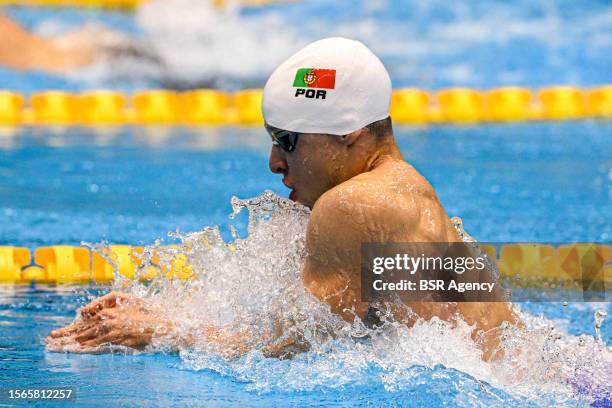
(315, 78)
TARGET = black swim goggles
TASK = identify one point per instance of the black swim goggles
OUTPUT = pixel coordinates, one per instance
(285, 139)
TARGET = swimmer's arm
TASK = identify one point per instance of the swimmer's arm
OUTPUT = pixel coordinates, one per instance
(276, 343)
(120, 319)
(20, 49)
(25, 50)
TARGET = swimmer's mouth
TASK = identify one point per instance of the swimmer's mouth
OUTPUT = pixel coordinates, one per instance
(292, 194)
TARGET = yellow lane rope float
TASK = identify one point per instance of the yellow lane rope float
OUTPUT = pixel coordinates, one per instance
(207, 107)
(63, 264)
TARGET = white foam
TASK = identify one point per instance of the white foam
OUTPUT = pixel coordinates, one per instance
(257, 286)
(198, 44)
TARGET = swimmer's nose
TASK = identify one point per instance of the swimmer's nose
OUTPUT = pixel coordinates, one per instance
(277, 163)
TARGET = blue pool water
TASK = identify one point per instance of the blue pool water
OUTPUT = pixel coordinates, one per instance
(526, 182)
(536, 182)
(161, 380)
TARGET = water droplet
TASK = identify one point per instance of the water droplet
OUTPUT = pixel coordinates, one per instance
(600, 316)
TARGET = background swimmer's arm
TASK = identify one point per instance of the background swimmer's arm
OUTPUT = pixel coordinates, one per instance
(21, 49)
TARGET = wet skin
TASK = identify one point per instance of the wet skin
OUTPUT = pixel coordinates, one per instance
(360, 189)
(28, 51)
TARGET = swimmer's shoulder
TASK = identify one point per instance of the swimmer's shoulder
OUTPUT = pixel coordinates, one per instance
(395, 184)
(366, 208)
(342, 219)
(394, 202)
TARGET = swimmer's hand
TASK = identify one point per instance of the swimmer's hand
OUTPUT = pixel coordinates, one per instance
(110, 300)
(113, 320)
(120, 322)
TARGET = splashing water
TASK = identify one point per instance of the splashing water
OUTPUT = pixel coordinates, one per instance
(426, 44)
(600, 316)
(253, 285)
(257, 43)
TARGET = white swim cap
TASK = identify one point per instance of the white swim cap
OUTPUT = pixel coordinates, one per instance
(334, 86)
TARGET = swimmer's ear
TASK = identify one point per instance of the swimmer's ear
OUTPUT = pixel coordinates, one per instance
(351, 138)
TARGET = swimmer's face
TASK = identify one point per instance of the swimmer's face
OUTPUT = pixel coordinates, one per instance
(317, 164)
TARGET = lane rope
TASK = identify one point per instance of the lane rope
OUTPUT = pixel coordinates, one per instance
(65, 264)
(206, 107)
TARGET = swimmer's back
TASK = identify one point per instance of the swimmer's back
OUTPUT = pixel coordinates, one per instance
(396, 201)
(391, 203)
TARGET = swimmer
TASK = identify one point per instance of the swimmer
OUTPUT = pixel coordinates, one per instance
(84, 46)
(326, 109)
(80, 48)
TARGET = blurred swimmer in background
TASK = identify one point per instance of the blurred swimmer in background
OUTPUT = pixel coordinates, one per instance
(167, 28)
(79, 48)
(24, 50)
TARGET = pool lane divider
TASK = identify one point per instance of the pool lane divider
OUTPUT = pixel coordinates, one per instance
(63, 264)
(209, 107)
(162, 107)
